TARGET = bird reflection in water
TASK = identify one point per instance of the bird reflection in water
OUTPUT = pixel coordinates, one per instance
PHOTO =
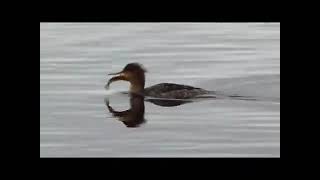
(134, 117)
(178, 94)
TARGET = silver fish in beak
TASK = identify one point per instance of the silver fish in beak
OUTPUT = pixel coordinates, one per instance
(120, 76)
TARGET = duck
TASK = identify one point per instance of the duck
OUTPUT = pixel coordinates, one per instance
(135, 74)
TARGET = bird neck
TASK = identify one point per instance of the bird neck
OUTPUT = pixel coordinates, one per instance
(137, 85)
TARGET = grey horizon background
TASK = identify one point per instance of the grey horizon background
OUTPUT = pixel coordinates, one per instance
(241, 58)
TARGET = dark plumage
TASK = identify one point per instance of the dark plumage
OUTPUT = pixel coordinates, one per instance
(135, 74)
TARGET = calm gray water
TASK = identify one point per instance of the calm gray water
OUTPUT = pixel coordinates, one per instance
(237, 58)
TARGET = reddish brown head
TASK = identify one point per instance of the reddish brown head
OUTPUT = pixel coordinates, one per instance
(134, 73)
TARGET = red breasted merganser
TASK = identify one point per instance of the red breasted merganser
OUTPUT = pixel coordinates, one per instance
(135, 74)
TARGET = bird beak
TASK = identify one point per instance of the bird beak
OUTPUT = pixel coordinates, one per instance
(121, 76)
(115, 73)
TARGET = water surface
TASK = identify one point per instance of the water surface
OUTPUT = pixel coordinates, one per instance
(232, 58)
